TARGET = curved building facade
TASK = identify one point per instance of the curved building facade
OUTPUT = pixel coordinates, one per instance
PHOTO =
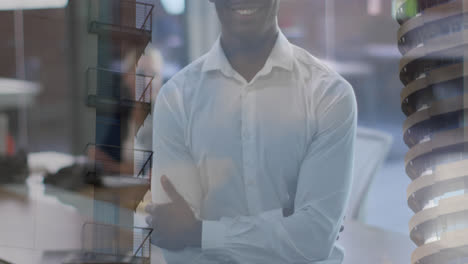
(433, 41)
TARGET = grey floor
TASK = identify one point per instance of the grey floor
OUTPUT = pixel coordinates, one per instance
(386, 205)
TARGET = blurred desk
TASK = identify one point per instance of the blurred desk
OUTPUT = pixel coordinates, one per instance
(371, 245)
(33, 223)
(16, 93)
(42, 227)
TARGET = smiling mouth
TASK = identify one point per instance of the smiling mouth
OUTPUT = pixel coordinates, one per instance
(246, 12)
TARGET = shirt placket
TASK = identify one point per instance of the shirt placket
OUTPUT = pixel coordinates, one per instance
(249, 150)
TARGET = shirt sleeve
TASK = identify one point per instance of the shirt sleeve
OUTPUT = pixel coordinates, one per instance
(323, 187)
(171, 155)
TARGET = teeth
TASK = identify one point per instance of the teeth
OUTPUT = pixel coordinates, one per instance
(246, 12)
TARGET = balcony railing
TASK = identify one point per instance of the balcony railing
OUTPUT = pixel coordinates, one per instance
(138, 166)
(102, 243)
(113, 87)
(121, 16)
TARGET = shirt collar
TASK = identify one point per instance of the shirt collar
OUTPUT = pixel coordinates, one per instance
(216, 60)
(281, 56)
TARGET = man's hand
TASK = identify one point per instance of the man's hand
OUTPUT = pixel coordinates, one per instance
(341, 229)
(175, 226)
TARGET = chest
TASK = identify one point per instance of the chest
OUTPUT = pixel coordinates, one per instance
(269, 125)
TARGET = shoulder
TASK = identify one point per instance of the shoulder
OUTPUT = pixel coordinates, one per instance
(179, 82)
(320, 79)
(324, 88)
(310, 62)
(187, 73)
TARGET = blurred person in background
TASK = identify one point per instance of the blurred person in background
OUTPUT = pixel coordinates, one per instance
(150, 65)
(140, 123)
(253, 147)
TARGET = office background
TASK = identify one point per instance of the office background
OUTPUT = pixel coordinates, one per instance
(52, 49)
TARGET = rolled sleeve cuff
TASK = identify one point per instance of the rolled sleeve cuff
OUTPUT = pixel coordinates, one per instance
(213, 234)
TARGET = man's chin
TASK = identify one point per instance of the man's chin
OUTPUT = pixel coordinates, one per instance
(246, 34)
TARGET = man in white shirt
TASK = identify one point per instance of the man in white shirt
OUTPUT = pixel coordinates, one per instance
(253, 148)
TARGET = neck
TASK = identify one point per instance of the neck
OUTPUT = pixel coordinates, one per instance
(248, 55)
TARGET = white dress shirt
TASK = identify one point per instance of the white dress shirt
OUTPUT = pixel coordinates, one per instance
(239, 152)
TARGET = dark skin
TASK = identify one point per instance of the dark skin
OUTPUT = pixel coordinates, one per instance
(175, 225)
(247, 41)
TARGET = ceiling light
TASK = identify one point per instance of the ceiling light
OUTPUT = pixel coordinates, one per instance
(374, 7)
(174, 7)
(32, 4)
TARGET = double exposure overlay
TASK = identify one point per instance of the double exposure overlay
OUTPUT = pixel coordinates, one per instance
(432, 40)
(233, 131)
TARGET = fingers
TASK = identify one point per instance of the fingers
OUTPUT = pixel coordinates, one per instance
(150, 208)
(341, 230)
(170, 189)
(149, 220)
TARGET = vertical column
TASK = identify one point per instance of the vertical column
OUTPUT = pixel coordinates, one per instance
(434, 44)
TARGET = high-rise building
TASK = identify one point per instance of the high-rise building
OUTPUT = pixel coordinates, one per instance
(109, 37)
(122, 30)
(434, 44)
